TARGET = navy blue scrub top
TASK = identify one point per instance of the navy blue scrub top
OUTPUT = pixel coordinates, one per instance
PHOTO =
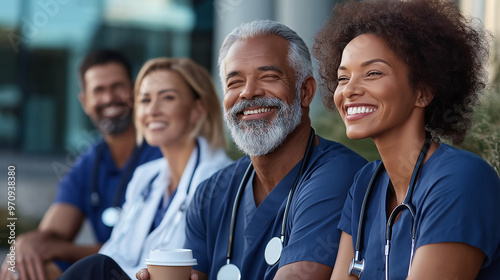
(456, 199)
(76, 186)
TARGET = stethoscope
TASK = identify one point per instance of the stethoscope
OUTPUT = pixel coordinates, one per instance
(137, 206)
(166, 236)
(111, 214)
(357, 264)
(274, 247)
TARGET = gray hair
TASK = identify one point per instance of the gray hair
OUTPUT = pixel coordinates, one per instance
(298, 53)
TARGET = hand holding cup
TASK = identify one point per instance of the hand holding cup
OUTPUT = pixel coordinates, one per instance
(174, 264)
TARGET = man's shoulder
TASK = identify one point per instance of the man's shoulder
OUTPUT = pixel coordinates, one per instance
(236, 168)
(332, 164)
(87, 157)
(226, 176)
(148, 153)
(333, 151)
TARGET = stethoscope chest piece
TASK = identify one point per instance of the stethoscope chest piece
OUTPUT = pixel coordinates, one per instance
(110, 216)
(272, 254)
(356, 267)
(229, 272)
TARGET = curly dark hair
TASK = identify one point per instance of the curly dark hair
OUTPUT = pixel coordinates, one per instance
(446, 54)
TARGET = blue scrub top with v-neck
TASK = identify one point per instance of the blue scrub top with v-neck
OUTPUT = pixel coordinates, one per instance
(311, 224)
(456, 199)
(76, 187)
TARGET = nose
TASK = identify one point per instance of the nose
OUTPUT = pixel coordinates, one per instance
(107, 97)
(351, 89)
(153, 107)
(252, 90)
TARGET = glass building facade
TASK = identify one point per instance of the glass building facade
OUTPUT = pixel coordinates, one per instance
(43, 41)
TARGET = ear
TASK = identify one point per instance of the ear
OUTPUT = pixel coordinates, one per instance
(424, 97)
(307, 91)
(198, 112)
(83, 100)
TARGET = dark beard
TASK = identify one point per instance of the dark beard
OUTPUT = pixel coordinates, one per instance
(114, 126)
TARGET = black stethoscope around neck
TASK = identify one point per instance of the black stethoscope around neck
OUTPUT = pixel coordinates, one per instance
(274, 247)
(357, 264)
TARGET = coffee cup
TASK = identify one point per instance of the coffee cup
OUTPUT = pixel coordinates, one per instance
(172, 264)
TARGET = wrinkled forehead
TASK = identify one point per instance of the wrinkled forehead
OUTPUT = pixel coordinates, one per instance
(270, 50)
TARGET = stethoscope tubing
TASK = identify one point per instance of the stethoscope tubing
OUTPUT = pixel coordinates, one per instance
(378, 170)
(134, 212)
(145, 193)
(303, 166)
(234, 213)
(244, 182)
(95, 197)
(406, 204)
(166, 236)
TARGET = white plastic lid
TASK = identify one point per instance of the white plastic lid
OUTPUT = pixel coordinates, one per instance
(171, 257)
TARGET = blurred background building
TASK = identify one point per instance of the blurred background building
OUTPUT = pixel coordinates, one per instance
(42, 125)
(43, 41)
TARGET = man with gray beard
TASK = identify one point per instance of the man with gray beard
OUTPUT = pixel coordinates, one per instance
(272, 214)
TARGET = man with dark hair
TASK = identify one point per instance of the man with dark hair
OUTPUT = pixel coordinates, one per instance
(115, 113)
(95, 187)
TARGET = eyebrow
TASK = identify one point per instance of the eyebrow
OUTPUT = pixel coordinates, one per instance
(160, 91)
(270, 68)
(232, 74)
(366, 63)
(260, 69)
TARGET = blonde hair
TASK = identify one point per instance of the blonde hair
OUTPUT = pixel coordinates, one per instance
(199, 80)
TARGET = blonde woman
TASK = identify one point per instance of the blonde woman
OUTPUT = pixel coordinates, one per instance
(176, 109)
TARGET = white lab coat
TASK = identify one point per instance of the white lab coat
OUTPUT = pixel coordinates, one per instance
(129, 245)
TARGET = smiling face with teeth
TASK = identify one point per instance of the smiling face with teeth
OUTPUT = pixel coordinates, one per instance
(166, 109)
(108, 97)
(258, 67)
(374, 96)
(262, 105)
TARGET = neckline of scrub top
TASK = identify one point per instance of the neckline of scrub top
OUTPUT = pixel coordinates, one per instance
(271, 206)
(385, 188)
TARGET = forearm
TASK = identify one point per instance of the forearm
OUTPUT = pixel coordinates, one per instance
(304, 270)
(70, 252)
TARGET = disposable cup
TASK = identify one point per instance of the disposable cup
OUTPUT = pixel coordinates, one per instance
(173, 264)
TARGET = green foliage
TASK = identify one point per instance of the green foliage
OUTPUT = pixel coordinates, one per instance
(232, 151)
(330, 126)
(484, 137)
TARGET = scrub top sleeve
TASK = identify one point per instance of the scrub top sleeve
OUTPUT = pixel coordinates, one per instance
(352, 206)
(196, 229)
(460, 205)
(345, 223)
(315, 213)
(72, 189)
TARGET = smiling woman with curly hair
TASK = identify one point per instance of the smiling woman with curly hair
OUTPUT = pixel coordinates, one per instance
(444, 51)
(407, 74)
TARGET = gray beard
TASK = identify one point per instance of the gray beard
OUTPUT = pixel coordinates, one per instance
(261, 137)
